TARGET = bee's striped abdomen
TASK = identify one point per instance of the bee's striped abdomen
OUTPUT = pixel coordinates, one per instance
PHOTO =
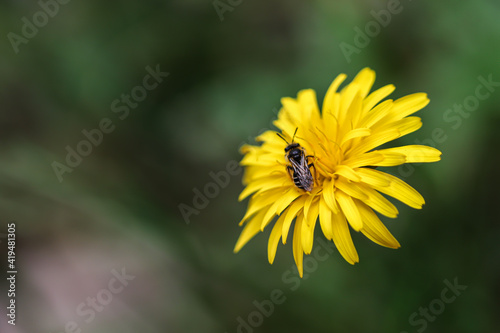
(305, 182)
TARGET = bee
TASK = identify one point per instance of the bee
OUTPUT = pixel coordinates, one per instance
(299, 167)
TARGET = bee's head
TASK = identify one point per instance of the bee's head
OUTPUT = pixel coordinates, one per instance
(291, 146)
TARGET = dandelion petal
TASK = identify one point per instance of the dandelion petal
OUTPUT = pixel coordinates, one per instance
(342, 239)
(274, 239)
(350, 210)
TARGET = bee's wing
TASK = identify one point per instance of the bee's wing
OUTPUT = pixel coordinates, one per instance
(302, 169)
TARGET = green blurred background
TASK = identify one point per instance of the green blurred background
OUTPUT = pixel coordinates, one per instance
(120, 207)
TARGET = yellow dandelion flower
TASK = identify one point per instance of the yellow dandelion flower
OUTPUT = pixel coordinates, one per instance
(338, 149)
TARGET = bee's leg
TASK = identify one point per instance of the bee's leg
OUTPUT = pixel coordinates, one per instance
(310, 156)
(312, 165)
(315, 171)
